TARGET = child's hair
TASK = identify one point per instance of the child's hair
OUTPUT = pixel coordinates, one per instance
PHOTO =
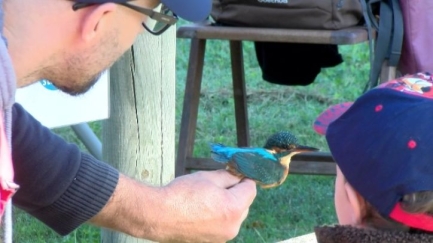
(418, 202)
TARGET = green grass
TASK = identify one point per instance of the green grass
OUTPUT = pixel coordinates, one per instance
(280, 213)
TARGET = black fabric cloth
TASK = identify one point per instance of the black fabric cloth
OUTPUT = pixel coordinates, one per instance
(59, 185)
(293, 63)
(349, 234)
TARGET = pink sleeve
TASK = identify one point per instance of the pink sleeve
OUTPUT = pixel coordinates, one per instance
(7, 186)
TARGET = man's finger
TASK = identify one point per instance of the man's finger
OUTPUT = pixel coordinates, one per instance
(245, 191)
(245, 214)
(222, 178)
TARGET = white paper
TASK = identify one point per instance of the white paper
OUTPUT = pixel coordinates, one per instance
(53, 108)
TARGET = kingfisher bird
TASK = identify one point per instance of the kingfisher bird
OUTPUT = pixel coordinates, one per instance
(268, 166)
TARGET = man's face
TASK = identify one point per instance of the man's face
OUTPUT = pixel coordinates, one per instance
(80, 71)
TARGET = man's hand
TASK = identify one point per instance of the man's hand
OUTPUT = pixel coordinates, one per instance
(199, 207)
(206, 206)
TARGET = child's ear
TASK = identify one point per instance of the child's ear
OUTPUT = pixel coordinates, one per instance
(356, 202)
(349, 205)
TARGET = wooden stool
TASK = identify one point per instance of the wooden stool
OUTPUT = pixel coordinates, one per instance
(306, 163)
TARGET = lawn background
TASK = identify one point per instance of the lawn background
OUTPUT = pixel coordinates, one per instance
(303, 201)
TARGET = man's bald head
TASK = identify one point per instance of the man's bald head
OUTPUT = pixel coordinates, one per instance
(49, 40)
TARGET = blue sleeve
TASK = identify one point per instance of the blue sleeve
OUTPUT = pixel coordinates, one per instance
(60, 185)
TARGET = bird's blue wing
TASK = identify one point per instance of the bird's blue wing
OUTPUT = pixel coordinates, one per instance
(256, 167)
(220, 158)
(221, 153)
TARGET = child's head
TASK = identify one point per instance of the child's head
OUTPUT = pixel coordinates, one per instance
(383, 146)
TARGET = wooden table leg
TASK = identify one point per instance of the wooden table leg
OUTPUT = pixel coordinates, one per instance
(239, 93)
(190, 105)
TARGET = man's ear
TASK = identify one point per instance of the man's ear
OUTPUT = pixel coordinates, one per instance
(97, 19)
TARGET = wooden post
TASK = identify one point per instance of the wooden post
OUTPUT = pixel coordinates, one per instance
(139, 136)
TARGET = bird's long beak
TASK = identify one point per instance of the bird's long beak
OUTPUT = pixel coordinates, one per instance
(286, 156)
(302, 148)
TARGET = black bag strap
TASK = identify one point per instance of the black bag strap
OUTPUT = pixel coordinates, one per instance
(397, 37)
(389, 37)
(369, 21)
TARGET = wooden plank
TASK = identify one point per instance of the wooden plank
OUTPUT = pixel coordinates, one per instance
(308, 238)
(312, 168)
(307, 163)
(347, 36)
(139, 136)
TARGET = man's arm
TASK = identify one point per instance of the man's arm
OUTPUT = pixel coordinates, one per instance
(59, 185)
(64, 188)
(200, 207)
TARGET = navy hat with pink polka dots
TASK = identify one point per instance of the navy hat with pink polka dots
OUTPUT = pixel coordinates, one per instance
(383, 144)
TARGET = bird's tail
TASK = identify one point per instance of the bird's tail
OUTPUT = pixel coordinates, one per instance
(217, 154)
